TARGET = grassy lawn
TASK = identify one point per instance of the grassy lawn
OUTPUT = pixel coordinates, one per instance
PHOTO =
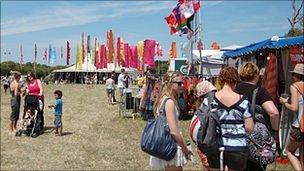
(95, 136)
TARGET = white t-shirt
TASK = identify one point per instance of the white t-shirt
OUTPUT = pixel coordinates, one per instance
(121, 81)
(110, 84)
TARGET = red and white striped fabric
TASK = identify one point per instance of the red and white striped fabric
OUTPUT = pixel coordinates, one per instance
(194, 126)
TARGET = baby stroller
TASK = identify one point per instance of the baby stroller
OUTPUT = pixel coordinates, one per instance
(28, 122)
(35, 128)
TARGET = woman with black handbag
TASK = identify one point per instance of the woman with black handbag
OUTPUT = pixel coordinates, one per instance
(249, 75)
(171, 84)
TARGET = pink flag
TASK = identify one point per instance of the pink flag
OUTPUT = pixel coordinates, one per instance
(103, 56)
(126, 52)
(134, 57)
(149, 53)
(68, 55)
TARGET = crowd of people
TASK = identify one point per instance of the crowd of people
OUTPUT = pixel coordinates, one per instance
(235, 91)
(233, 105)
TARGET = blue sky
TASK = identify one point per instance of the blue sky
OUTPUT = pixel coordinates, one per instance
(46, 22)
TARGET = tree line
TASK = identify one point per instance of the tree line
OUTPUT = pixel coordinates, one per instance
(42, 70)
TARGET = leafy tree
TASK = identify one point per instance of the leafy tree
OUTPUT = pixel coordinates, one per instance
(42, 70)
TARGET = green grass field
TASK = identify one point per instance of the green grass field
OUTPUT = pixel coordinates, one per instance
(95, 136)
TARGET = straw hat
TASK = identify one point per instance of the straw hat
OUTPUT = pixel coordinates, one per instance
(298, 69)
(204, 87)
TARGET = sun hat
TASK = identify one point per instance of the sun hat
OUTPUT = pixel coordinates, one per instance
(298, 69)
(204, 87)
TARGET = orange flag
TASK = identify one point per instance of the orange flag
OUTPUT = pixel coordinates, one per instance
(110, 46)
(173, 50)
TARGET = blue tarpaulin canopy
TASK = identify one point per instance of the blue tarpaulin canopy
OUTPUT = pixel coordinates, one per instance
(273, 43)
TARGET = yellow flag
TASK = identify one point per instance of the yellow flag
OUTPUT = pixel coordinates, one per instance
(140, 49)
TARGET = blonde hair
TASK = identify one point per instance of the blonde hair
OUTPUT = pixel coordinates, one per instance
(248, 71)
(166, 89)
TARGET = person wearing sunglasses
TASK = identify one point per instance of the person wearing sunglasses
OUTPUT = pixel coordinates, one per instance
(171, 84)
(34, 91)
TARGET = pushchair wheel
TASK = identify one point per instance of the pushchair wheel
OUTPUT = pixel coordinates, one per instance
(34, 135)
(18, 133)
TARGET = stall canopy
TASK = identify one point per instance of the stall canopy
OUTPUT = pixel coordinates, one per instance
(273, 43)
(209, 56)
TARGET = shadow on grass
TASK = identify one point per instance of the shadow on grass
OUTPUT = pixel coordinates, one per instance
(66, 133)
(48, 129)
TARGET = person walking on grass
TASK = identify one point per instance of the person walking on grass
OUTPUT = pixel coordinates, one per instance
(57, 112)
(110, 88)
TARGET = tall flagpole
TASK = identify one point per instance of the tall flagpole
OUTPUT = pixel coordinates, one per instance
(21, 58)
(35, 58)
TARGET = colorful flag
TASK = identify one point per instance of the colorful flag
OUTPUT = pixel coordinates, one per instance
(61, 52)
(45, 55)
(88, 44)
(21, 56)
(173, 50)
(35, 57)
(103, 56)
(126, 54)
(50, 53)
(53, 56)
(97, 56)
(133, 56)
(158, 49)
(68, 56)
(140, 49)
(149, 53)
(118, 54)
(82, 47)
(79, 58)
(110, 46)
(182, 15)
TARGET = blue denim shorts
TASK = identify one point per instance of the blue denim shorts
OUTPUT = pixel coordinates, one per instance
(57, 121)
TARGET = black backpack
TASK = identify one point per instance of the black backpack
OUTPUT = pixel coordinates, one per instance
(209, 132)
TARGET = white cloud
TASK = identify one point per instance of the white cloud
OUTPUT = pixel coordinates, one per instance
(70, 15)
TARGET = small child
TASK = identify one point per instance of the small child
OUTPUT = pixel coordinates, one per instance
(57, 112)
(28, 119)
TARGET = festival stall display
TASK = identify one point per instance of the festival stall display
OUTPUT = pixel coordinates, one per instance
(276, 56)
